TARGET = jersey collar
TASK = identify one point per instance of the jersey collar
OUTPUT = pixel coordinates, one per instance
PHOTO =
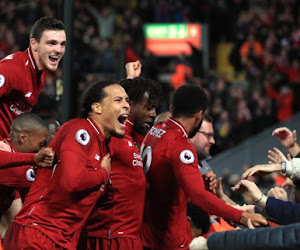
(129, 126)
(96, 128)
(178, 124)
(131, 133)
(32, 62)
(31, 58)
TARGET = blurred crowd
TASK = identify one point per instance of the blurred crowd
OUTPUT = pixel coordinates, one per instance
(265, 37)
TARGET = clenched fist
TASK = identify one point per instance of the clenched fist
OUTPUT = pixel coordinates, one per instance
(44, 158)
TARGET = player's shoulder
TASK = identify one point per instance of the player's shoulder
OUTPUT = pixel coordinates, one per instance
(183, 143)
(158, 131)
(14, 58)
(172, 130)
(75, 131)
(11, 65)
(79, 127)
(74, 124)
(77, 123)
(185, 150)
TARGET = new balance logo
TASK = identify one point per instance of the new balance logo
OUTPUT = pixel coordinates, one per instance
(97, 157)
(9, 57)
(28, 94)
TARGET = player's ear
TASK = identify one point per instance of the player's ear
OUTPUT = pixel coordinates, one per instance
(189, 218)
(131, 105)
(199, 115)
(22, 137)
(171, 109)
(33, 44)
(97, 108)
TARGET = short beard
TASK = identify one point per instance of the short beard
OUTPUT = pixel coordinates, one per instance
(195, 130)
(140, 129)
(115, 134)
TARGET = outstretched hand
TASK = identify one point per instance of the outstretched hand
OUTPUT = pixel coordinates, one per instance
(288, 183)
(278, 193)
(219, 188)
(210, 180)
(276, 156)
(261, 170)
(245, 208)
(249, 188)
(218, 191)
(286, 136)
(255, 219)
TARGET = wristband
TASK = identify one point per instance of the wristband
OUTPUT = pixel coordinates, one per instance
(262, 195)
(283, 167)
(262, 200)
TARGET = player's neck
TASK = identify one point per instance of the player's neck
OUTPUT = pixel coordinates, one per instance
(188, 123)
(36, 60)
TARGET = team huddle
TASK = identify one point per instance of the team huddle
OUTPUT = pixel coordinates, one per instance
(108, 180)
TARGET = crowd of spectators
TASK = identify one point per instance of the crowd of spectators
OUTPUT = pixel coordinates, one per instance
(265, 35)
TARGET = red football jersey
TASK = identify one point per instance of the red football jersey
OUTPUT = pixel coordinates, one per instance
(61, 198)
(20, 86)
(19, 178)
(22, 176)
(119, 213)
(10, 159)
(171, 167)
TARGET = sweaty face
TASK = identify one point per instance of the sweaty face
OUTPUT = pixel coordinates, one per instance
(36, 140)
(203, 140)
(50, 49)
(115, 110)
(143, 114)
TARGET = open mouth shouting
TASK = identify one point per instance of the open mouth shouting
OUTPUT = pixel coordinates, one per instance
(122, 119)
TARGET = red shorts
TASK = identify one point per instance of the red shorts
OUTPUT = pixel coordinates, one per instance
(25, 238)
(114, 244)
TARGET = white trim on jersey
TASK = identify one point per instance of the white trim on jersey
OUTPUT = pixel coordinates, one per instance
(93, 125)
(178, 126)
(33, 65)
